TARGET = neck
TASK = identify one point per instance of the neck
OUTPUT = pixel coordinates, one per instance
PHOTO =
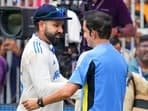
(43, 37)
(101, 41)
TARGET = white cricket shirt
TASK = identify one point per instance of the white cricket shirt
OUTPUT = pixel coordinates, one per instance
(40, 73)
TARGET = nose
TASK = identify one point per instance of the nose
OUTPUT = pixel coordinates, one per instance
(60, 29)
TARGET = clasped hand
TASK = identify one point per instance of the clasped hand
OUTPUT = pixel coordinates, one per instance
(30, 104)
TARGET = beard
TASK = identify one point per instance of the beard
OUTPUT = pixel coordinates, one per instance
(144, 58)
(52, 37)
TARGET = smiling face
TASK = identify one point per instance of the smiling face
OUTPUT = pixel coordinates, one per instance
(143, 51)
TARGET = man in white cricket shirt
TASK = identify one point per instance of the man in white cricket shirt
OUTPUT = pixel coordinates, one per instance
(40, 73)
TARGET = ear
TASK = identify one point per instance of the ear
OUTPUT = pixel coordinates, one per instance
(41, 25)
(93, 34)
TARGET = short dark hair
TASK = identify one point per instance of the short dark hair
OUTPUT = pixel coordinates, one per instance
(100, 22)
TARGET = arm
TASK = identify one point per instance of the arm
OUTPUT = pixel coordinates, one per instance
(66, 91)
(41, 73)
(11, 45)
(125, 26)
(127, 31)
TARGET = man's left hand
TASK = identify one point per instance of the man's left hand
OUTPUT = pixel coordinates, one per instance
(30, 104)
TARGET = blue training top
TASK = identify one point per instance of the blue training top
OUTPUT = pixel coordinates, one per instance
(102, 73)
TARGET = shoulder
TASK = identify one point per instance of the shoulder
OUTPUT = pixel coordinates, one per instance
(133, 62)
(37, 46)
(85, 58)
(34, 49)
(138, 82)
(85, 55)
(34, 45)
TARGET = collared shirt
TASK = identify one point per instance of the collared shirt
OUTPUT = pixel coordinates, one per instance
(133, 66)
(101, 72)
(40, 73)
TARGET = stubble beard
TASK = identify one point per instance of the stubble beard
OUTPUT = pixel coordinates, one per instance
(51, 37)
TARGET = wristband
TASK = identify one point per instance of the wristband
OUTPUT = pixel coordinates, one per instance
(40, 102)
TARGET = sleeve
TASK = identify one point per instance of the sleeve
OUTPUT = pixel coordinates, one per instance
(42, 81)
(123, 14)
(79, 74)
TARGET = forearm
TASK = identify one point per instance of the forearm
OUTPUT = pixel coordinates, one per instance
(48, 88)
(65, 92)
(128, 31)
(58, 95)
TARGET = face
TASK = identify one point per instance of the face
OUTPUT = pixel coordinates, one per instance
(143, 51)
(87, 35)
(53, 30)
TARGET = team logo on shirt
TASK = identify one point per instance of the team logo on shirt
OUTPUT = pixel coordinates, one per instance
(56, 75)
(53, 62)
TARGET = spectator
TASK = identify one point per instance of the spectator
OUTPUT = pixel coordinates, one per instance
(140, 63)
(12, 46)
(136, 94)
(3, 69)
(116, 43)
(127, 54)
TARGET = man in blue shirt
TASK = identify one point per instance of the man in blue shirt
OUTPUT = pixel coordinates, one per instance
(101, 71)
